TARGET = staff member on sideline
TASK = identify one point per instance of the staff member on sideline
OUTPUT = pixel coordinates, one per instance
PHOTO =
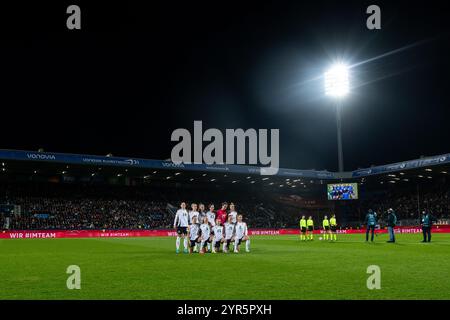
(427, 224)
(391, 222)
(371, 221)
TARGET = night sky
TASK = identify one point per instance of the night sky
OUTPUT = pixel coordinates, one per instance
(133, 74)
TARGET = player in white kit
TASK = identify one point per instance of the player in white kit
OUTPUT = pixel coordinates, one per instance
(217, 236)
(205, 236)
(211, 218)
(194, 235)
(181, 223)
(193, 213)
(201, 212)
(241, 234)
(233, 213)
(229, 234)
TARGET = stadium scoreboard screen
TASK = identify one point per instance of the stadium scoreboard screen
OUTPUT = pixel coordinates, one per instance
(342, 191)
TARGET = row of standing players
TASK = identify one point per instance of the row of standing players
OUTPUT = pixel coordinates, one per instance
(207, 231)
(307, 228)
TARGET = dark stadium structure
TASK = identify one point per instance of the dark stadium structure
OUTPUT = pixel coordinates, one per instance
(42, 190)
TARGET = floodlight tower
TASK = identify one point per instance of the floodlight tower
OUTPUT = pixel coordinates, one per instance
(337, 86)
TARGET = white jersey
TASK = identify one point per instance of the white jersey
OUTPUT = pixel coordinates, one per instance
(193, 214)
(211, 218)
(206, 231)
(233, 215)
(241, 230)
(181, 218)
(218, 233)
(229, 230)
(194, 231)
(201, 217)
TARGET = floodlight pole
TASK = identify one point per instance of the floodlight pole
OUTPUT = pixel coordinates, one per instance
(339, 134)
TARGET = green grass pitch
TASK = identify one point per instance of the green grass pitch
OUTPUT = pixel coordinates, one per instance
(279, 267)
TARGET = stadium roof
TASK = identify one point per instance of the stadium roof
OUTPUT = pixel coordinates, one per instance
(148, 164)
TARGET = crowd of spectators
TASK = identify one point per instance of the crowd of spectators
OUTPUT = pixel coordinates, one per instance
(80, 207)
(76, 208)
(60, 213)
(409, 205)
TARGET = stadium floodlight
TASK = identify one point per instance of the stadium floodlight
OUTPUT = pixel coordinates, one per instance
(337, 85)
(336, 81)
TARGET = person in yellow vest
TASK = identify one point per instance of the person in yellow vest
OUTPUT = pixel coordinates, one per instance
(333, 227)
(310, 225)
(326, 228)
(303, 228)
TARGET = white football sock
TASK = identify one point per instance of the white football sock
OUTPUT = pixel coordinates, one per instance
(247, 245)
(178, 243)
(185, 243)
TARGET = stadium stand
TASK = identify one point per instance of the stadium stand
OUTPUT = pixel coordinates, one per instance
(54, 206)
(48, 191)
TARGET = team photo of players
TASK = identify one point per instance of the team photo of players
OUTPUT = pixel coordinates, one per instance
(221, 231)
